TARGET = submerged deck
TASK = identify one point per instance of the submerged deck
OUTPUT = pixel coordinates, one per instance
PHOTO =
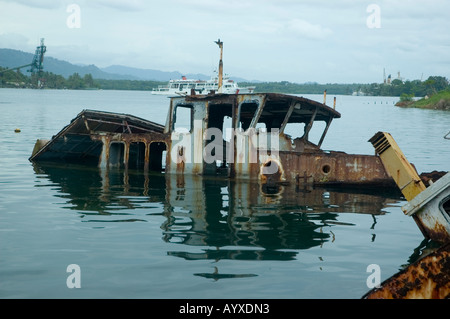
(83, 140)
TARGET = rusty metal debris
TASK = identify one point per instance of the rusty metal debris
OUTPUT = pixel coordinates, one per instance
(427, 278)
(429, 206)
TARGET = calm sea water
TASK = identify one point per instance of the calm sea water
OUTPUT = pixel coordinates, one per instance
(136, 236)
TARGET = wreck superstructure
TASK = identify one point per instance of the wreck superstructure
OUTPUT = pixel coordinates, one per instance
(259, 146)
(240, 136)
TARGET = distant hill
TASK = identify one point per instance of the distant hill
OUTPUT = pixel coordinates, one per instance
(13, 58)
(150, 74)
(156, 75)
(10, 58)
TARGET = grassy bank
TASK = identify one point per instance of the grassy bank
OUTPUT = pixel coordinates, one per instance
(437, 101)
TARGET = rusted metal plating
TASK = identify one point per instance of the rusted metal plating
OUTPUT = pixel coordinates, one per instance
(428, 278)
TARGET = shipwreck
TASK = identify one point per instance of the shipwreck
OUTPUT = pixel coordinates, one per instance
(257, 136)
(240, 136)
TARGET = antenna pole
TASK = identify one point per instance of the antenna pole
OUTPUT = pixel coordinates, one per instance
(220, 44)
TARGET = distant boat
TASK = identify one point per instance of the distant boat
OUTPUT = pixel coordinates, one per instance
(185, 86)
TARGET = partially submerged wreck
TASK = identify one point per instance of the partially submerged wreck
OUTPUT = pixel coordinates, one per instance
(429, 206)
(240, 136)
(429, 277)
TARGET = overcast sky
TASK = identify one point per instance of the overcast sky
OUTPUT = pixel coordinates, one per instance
(341, 41)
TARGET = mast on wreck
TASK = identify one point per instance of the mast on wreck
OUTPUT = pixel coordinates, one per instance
(220, 44)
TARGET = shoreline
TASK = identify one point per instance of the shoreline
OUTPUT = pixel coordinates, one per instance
(438, 101)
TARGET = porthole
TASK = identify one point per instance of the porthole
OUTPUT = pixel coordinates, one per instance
(326, 169)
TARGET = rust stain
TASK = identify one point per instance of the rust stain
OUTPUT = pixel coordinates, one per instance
(437, 233)
(428, 278)
(181, 160)
(334, 168)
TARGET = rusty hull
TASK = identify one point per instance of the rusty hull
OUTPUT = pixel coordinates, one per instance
(432, 208)
(428, 278)
(334, 168)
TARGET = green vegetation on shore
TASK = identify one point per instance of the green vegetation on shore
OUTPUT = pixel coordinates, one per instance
(128, 85)
(48, 80)
(437, 101)
(16, 79)
(396, 88)
(406, 89)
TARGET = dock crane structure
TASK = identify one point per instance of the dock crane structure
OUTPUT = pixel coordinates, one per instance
(37, 65)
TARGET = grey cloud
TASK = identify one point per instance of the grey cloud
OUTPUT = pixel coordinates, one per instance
(122, 5)
(41, 4)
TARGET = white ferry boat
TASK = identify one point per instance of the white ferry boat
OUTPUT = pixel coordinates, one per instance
(184, 86)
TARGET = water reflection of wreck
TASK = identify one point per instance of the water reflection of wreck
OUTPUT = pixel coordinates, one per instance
(226, 219)
(237, 220)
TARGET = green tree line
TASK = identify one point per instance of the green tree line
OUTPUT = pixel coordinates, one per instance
(397, 87)
(417, 88)
(48, 80)
(13, 78)
(16, 79)
(128, 84)
(304, 88)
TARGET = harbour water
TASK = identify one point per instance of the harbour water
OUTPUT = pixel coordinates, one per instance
(149, 236)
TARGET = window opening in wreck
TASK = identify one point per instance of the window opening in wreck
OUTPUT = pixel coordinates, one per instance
(295, 130)
(316, 132)
(445, 207)
(219, 119)
(163, 160)
(136, 156)
(246, 114)
(116, 154)
(227, 128)
(157, 160)
(182, 118)
(227, 133)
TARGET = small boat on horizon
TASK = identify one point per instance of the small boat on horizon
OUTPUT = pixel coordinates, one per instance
(185, 86)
